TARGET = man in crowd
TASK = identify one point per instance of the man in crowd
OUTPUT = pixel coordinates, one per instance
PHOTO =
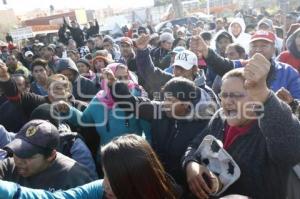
(280, 75)
(36, 163)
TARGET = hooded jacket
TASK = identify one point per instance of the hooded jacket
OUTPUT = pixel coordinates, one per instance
(83, 88)
(210, 74)
(292, 55)
(221, 33)
(243, 38)
(115, 52)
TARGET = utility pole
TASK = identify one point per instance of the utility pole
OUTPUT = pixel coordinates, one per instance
(178, 9)
(208, 7)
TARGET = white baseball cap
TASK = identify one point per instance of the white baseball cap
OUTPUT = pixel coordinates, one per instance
(186, 60)
(27, 53)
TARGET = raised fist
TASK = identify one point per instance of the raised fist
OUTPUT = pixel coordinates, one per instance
(143, 41)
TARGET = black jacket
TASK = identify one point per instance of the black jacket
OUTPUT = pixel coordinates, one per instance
(83, 88)
(161, 57)
(93, 30)
(265, 154)
(26, 101)
(170, 137)
(62, 35)
(77, 35)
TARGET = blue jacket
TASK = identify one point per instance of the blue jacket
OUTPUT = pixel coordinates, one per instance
(108, 126)
(280, 75)
(5, 136)
(38, 89)
(10, 190)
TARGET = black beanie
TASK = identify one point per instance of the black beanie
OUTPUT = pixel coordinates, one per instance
(44, 112)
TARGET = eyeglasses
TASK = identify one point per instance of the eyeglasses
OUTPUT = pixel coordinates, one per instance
(232, 95)
(262, 48)
(124, 77)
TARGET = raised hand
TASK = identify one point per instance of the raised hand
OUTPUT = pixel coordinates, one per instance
(198, 46)
(4, 75)
(256, 72)
(62, 107)
(143, 41)
(109, 76)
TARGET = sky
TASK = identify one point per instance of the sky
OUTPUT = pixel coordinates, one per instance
(28, 5)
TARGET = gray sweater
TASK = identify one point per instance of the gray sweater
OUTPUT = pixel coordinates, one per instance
(265, 154)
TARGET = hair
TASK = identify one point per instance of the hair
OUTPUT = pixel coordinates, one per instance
(238, 73)
(103, 53)
(176, 41)
(47, 153)
(108, 40)
(181, 88)
(74, 52)
(90, 41)
(134, 171)
(59, 78)
(239, 49)
(224, 35)
(39, 62)
(48, 48)
(207, 36)
(279, 32)
(26, 80)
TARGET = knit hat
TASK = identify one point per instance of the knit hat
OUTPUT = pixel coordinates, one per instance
(265, 21)
(45, 112)
(166, 36)
(84, 61)
(127, 40)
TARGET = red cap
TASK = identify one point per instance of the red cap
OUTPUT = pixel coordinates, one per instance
(263, 35)
(127, 40)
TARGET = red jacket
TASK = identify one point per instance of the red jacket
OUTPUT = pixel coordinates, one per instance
(289, 58)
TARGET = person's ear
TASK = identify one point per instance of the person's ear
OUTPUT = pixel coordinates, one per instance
(195, 69)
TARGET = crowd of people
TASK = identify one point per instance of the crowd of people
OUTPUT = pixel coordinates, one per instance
(188, 112)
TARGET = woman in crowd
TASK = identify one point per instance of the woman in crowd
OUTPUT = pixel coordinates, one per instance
(84, 68)
(102, 112)
(132, 171)
(257, 129)
(98, 64)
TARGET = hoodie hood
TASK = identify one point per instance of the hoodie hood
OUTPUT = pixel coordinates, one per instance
(291, 45)
(243, 38)
(66, 63)
(239, 21)
(108, 38)
(218, 36)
